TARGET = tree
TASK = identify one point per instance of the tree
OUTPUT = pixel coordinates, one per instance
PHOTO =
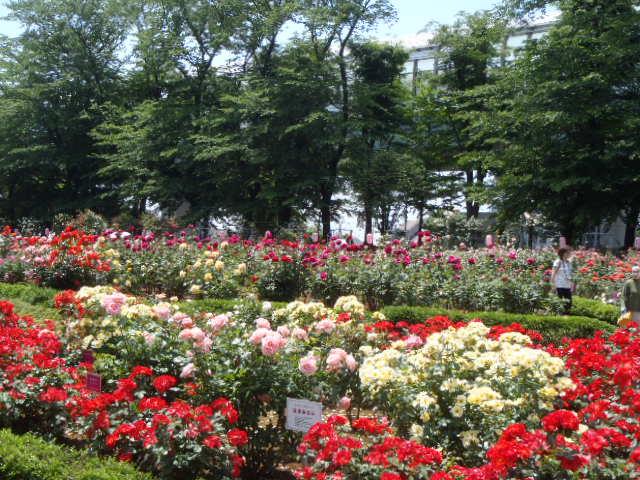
(54, 78)
(379, 118)
(573, 104)
(466, 62)
(150, 144)
(430, 175)
(329, 28)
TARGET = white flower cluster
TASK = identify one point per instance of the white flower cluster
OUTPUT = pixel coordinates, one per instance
(462, 374)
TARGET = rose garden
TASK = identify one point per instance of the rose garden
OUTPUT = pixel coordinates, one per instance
(319, 240)
(427, 362)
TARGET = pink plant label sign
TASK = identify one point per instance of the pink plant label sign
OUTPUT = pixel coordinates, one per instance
(88, 357)
(94, 382)
(302, 414)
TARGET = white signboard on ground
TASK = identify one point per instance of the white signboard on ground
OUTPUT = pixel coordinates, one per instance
(302, 414)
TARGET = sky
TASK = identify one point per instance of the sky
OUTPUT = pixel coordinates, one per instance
(413, 15)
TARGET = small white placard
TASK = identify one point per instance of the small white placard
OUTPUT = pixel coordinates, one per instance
(302, 414)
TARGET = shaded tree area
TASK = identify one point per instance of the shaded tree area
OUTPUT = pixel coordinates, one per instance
(217, 109)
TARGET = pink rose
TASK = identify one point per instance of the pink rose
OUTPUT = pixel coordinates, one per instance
(262, 323)
(257, 336)
(300, 334)
(351, 363)
(162, 311)
(218, 322)
(413, 341)
(205, 344)
(197, 334)
(188, 370)
(149, 338)
(194, 333)
(308, 365)
(186, 322)
(325, 326)
(272, 343)
(182, 319)
(345, 403)
(284, 331)
(335, 359)
(113, 303)
(185, 334)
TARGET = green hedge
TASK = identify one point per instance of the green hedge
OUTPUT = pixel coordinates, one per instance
(552, 328)
(215, 305)
(586, 307)
(27, 457)
(30, 299)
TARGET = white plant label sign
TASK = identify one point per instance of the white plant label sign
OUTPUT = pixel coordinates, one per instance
(302, 414)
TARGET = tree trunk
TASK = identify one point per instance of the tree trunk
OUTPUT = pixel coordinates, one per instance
(325, 211)
(631, 221)
(568, 232)
(368, 218)
(472, 208)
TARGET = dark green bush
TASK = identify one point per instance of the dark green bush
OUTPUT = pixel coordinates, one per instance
(586, 307)
(27, 457)
(552, 328)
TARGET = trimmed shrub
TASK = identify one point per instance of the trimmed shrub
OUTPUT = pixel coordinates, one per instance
(29, 293)
(31, 300)
(27, 457)
(215, 305)
(552, 328)
(586, 307)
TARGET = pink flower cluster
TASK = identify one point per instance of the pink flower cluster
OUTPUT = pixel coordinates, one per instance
(338, 358)
(113, 303)
(270, 341)
(308, 364)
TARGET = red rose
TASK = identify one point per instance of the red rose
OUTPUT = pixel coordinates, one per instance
(560, 420)
(238, 437)
(164, 383)
(141, 370)
(390, 476)
(152, 403)
(125, 457)
(212, 441)
(53, 394)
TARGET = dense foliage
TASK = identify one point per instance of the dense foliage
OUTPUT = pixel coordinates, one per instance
(212, 111)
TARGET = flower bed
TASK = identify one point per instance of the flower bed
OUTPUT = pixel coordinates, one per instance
(415, 273)
(462, 400)
(142, 418)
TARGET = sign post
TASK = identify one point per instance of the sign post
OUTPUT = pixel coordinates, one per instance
(302, 414)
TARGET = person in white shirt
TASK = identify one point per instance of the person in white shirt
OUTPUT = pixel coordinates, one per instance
(562, 277)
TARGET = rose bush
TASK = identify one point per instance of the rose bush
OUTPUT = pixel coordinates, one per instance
(459, 387)
(145, 418)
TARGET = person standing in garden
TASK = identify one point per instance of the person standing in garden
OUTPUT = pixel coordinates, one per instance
(562, 277)
(631, 295)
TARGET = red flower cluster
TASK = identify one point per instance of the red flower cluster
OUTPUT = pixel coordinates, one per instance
(338, 450)
(598, 429)
(132, 419)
